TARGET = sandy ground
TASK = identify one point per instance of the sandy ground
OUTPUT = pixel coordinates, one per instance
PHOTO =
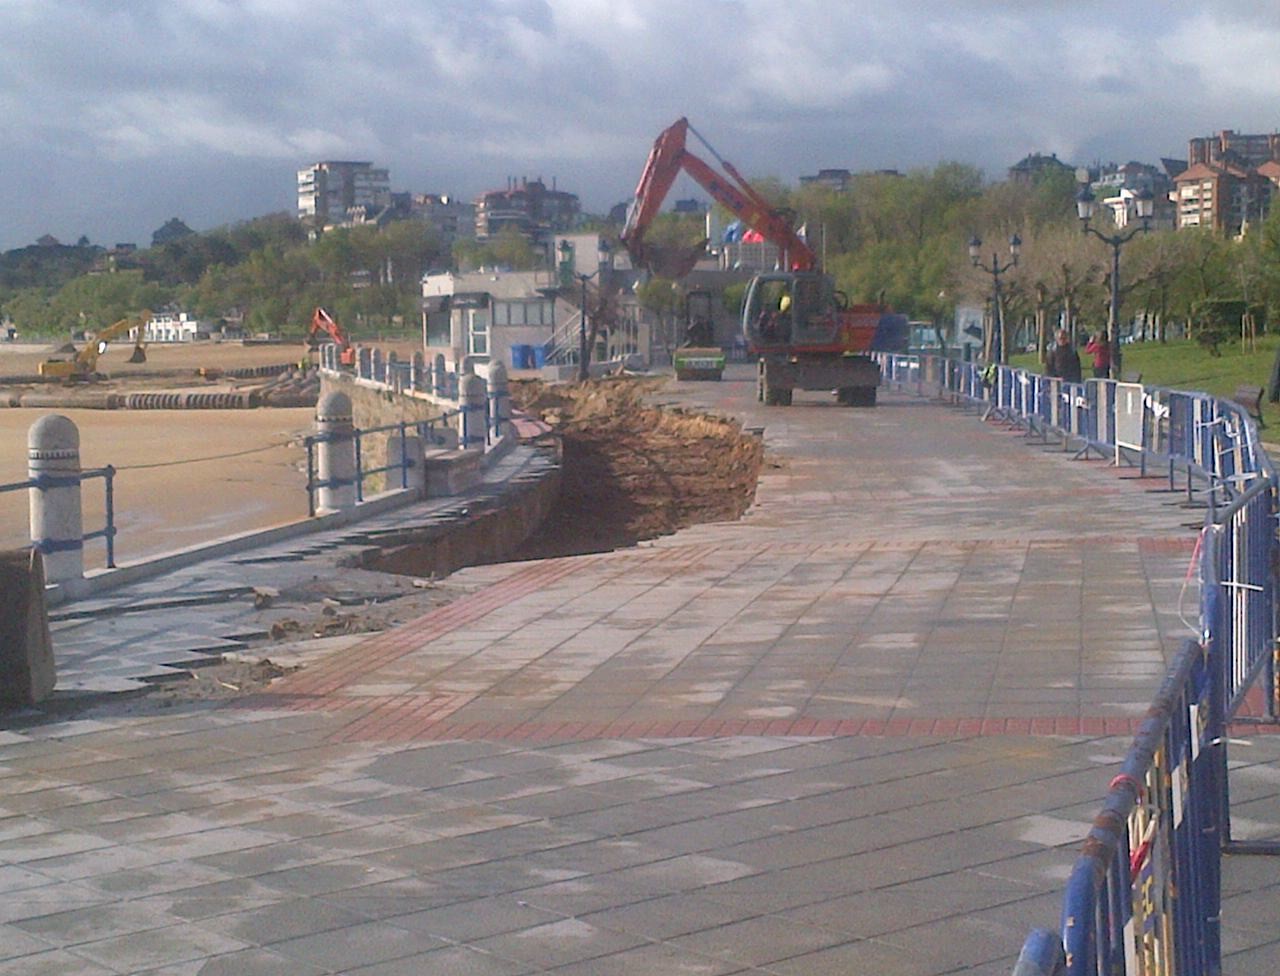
(184, 476)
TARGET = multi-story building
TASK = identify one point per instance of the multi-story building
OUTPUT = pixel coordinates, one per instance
(530, 206)
(335, 191)
(1117, 187)
(1229, 181)
(450, 217)
(832, 179)
(1234, 148)
(1032, 168)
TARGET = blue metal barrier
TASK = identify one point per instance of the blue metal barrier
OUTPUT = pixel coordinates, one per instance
(1145, 895)
(1241, 551)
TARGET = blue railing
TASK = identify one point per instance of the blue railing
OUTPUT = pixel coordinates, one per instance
(427, 431)
(1145, 895)
(107, 533)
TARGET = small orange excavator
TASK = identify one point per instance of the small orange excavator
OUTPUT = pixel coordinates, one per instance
(324, 327)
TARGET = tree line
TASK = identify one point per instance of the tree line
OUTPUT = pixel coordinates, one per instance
(898, 238)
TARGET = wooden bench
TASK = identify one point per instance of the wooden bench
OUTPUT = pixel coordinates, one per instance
(1250, 397)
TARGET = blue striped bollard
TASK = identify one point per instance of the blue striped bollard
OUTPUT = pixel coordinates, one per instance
(472, 403)
(499, 402)
(416, 382)
(336, 457)
(57, 520)
(439, 376)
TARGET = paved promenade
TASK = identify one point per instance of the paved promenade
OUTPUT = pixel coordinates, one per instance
(862, 731)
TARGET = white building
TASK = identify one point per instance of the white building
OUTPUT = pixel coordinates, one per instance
(170, 327)
(485, 315)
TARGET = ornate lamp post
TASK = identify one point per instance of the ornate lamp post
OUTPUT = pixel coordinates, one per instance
(996, 269)
(1145, 206)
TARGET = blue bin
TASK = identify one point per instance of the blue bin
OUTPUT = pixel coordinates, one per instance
(521, 356)
(539, 356)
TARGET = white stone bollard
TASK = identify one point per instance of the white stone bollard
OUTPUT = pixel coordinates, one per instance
(499, 402)
(57, 520)
(415, 373)
(439, 376)
(472, 419)
(336, 455)
(398, 449)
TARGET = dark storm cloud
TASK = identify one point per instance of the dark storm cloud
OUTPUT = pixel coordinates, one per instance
(116, 116)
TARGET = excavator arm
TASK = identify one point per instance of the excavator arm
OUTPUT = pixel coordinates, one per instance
(85, 363)
(323, 324)
(730, 189)
(87, 357)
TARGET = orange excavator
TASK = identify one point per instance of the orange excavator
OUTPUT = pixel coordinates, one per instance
(805, 333)
(325, 327)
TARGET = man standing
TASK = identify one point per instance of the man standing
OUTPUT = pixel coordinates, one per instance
(1062, 360)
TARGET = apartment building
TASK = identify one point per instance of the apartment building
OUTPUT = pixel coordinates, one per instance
(1229, 181)
(530, 206)
(336, 191)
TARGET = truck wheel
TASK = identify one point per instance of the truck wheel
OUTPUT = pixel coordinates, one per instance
(862, 396)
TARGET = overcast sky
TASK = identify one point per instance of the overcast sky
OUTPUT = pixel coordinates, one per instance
(116, 115)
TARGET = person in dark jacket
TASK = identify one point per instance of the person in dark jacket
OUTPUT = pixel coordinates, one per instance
(1063, 361)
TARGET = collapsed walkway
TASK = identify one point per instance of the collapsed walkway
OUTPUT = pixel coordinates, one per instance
(862, 730)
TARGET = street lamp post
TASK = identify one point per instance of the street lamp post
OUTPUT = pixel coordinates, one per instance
(996, 269)
(567, 273)
(1145, 205)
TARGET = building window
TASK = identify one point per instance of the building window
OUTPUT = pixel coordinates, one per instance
(478, 331)
(438, 332)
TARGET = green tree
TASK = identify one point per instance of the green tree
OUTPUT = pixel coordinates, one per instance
(663, 298)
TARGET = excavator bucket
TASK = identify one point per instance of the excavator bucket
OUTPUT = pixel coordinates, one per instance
(670, 260)
(139, 355)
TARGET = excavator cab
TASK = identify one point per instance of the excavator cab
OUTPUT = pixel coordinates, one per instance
(789, 308)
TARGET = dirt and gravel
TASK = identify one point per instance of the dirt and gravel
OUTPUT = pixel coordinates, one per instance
(633, 471)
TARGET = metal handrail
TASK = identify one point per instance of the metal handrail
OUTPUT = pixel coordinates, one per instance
(107, 533)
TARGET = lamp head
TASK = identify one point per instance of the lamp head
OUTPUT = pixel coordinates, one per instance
(975, 249)
(1084, 204)
(1146, 204)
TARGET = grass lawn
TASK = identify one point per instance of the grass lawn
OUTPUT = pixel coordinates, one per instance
(1184, 365)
